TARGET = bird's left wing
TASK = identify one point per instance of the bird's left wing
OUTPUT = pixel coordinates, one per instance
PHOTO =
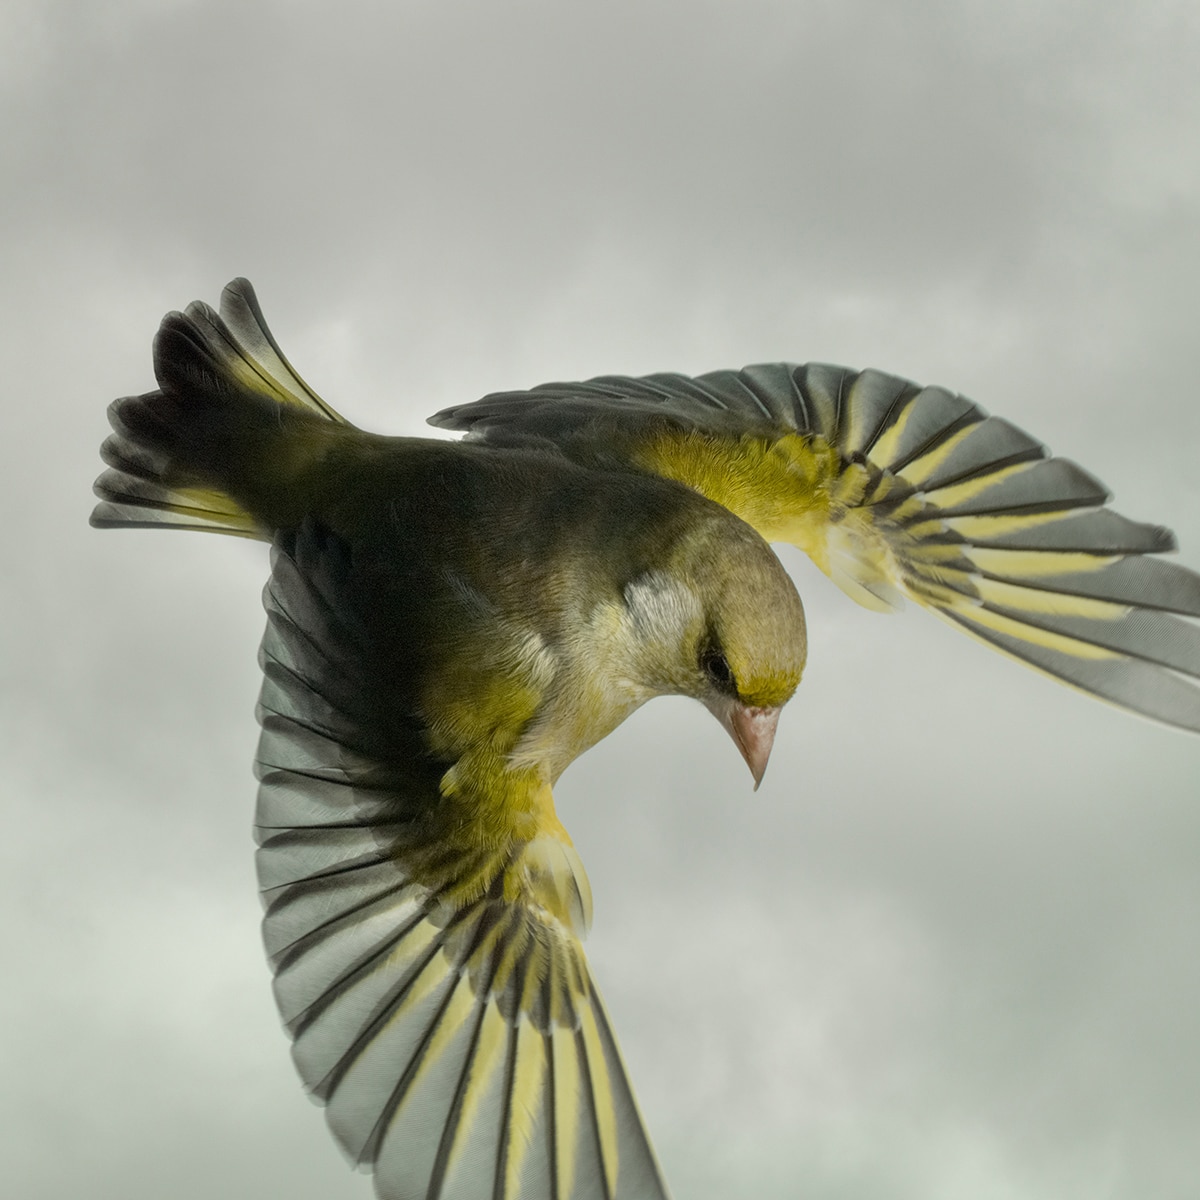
(430, 972)
(899, 490)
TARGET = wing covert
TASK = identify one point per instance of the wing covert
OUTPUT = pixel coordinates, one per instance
(897, 490)
(440, 1004)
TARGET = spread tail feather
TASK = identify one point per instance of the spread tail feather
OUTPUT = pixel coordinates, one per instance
(184, 456)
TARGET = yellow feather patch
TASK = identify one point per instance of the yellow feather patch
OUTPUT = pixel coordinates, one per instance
(486, 1062)
(551, 874)
(933, 553)
(208, 504)
(1034, 563)
(525, 1097)
(1039, 600)
(928, 592)
(1037, 637)
(922, 467)
(859, 560)
(884, 449)
(986, 528)
(565, 1066)
(957, 493)
(908, 509)
(259, 380)
(848, 488)
(779, 486)
(602, 1100)
(463, 1002)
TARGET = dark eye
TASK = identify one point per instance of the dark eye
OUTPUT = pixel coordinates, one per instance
(715, 665)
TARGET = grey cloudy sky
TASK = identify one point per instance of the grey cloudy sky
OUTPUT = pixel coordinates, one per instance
(952, 947)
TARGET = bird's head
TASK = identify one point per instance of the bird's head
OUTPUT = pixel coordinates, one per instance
(723, 623)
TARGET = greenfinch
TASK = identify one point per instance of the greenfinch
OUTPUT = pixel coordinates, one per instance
(450, 624)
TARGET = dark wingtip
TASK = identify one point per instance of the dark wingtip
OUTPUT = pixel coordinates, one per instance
(241, 291)
(1165, 540)
(447, 418)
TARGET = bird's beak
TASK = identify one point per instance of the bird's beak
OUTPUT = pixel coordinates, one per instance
(753, 729)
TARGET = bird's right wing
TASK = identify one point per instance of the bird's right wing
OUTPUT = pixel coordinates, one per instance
(432, 977)
(899, 490)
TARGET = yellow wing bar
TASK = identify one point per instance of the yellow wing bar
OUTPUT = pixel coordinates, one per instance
(899, 490)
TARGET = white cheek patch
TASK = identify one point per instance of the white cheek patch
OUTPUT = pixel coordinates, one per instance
(660, 607)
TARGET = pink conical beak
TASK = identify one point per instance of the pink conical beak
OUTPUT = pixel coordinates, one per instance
(753, 729)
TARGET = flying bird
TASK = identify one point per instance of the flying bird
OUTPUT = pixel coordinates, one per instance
(451, 623)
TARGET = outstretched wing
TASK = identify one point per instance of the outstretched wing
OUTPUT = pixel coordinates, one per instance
(895, 489)
(438, 996)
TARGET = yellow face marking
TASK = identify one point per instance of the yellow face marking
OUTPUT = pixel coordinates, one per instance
(769, 693)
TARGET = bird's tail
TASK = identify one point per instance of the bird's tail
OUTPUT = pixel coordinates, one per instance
(194, 453)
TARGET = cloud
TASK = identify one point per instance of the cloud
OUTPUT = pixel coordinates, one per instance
(948, 948)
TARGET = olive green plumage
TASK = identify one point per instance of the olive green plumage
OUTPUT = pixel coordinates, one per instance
(448, 628)
(451, 624)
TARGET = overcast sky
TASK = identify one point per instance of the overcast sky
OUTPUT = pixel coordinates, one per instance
(952, 947)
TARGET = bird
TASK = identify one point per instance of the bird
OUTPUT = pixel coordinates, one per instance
(451, 623)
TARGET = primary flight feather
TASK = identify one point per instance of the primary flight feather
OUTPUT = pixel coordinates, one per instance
(450, 624)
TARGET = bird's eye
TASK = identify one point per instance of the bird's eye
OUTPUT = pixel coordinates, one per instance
(715, 665)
